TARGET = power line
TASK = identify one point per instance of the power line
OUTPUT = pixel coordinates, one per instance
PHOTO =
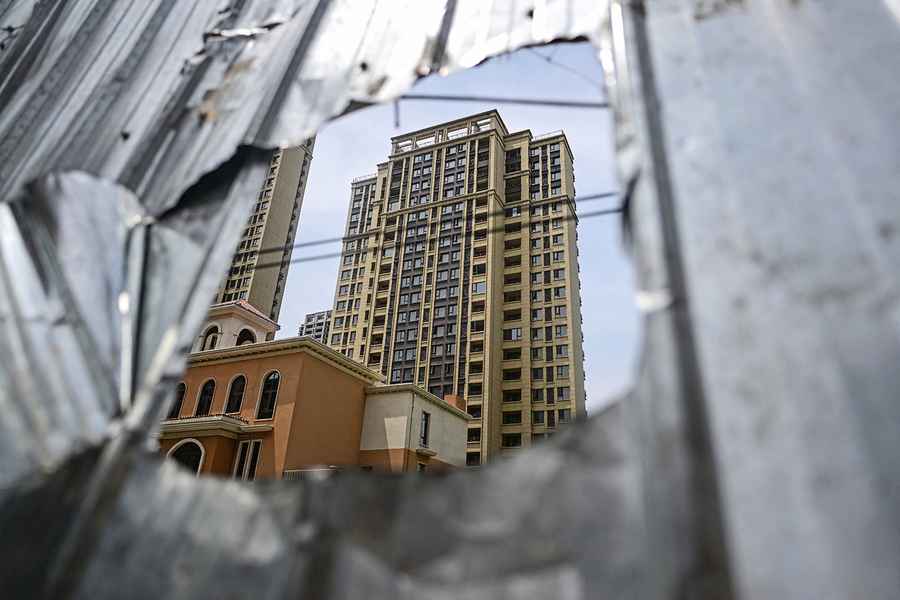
(404, 243)
(579, 200)
(502, 100)
(549, 59)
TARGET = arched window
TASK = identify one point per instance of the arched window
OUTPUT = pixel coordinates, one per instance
(204, 402)
(175, 410)
(188, 453)
(246, 337)
(236, 394)
(269, 396)
(210, 338)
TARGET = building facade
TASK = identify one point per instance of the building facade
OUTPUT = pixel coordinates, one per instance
(459, 273)
(285, 409)
(316, 325)
(269, 236)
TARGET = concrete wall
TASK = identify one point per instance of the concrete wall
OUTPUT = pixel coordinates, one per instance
(326, 417)
(392, 420)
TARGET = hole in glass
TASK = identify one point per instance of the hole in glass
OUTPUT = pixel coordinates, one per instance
(440, 281)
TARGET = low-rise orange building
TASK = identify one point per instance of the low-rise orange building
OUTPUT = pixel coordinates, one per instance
(283, 408)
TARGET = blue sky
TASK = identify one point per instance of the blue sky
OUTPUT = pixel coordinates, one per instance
(354, 144)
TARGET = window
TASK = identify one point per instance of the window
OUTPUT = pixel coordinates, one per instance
(537, 417)
(424, 426)
(537, 373)
(246, 337)
(175, 410)
(515, 296)
(474, 435)
(512, 334)
(247, 460)
(204, 400)
(537, 395)
(512, 417)
(512, 353)
(561, 331)
(269, 396)
(479, 269)
(511, 440)
(562, 394)
(210, 338)
(236, 394)
(564, 415)
(479, 287)
(512, 395)
(477, 326)
(562, 350)
(512, 374)
(473, 459)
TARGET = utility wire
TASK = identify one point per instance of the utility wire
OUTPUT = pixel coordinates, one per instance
(377, 247)
(579, 200)
(502, 100)
(549, 59)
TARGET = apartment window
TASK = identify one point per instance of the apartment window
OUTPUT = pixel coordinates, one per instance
(424, 425)
(514, 296)
(475, 368)
(473, 459)
(475, 389)
(537, 373)
(512, 395)
(204, 400)
(537, 395)
(512, 315)
(236, 394)
(269, 396)
(479, 287)
(564, 415)
(562, 331)
(559, 292)
(336, 339)
(476, 347)
(512, 278)
(474, 435)
(512, 374)
(247, 460)
(479, 252)
(512, 334)
(512, 353)
(559, 274)
(512, 417)
(562, 394)
(479, 269)
(559, 311)
(562, 350)
(551, 418)
(512, 244)
(511, 440)
(512, 261)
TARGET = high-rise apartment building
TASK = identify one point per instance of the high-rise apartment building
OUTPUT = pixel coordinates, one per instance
(316, 325)
(459, 273)
(269, 234)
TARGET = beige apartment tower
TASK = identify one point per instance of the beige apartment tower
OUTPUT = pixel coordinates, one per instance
(459, 273)
(269, 234)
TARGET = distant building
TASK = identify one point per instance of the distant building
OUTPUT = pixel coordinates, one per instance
(287, 408)
(459, 273)
(269, 235)
(316, 325)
